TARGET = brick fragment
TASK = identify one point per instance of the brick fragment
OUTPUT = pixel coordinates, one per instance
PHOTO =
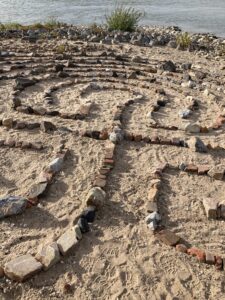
(203, 169)
(198, 253)
(191, 168)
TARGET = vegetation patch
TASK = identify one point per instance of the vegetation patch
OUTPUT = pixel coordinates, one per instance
(124, 19)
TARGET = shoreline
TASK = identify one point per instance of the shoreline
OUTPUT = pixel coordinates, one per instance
(147, 36)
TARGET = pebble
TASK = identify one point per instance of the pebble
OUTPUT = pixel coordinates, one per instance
(83, 224)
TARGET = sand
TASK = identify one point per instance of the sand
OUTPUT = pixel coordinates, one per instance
(119, 258)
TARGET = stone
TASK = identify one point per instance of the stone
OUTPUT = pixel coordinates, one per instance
(197, 145)
(24, 109)
(137, 137)
(10, 142)
(39, 110)
(203, 169)
(56, 165)
(115, 137)
(78, 232)
(12, 205)
(211, 206)
(221, 210)
(184, 114)
(198, 253)
(22, 268)
(45, 177)
(22, 83)
(89, 214)
(47, 126)
(67, 241)
(37, 146)
(48, 255)
(7, 122)
(37, 190)
(20, 125)
(209, 258)
(192, 128)
(169, 66)
(152, 225)
(168, 237)
(2, 273)
(83, 224)
(153, 194)
(154, 216)
(218, 263)
(99, 182)
(181, 248)
(217, 172)
(96, 197)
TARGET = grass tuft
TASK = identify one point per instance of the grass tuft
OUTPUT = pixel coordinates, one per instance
(184, 40)
(124, 19)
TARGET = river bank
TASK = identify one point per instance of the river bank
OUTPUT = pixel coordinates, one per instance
(144, 36)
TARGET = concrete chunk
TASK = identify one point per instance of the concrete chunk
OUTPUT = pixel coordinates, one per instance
(67, 241)
(22, 267)
(48, 255)
(211, 206)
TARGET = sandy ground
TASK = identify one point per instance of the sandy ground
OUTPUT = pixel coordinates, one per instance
(119, 258)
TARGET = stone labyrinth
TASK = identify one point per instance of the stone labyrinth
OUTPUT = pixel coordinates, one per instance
(96, 123)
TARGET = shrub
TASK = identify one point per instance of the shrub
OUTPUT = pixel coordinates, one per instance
(184, 40)
(96, 29)
(124, 19)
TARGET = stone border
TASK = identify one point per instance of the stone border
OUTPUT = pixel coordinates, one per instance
(26, 266)
(166, 236)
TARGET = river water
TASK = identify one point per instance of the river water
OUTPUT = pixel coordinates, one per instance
(190, 15)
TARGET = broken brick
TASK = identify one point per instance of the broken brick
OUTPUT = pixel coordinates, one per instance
(211, 206)
(198, 253)
(203, 169)
(191, 168)
(218, 263)
(209, 258)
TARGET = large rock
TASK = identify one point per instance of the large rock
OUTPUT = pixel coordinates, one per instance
(48, 255)
(12, 205)
(67, 241)
(197, 145)
(96, 197)
(22, 267)
(217, 172)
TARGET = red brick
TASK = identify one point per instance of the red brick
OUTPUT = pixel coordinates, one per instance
(203, 169)
(198, 253)
(191, 168)
(181, 248)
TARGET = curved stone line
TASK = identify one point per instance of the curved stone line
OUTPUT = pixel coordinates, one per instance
(168, 237)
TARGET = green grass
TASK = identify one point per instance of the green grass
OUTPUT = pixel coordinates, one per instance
(124, 19)
(49, 24)
(184, 40)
